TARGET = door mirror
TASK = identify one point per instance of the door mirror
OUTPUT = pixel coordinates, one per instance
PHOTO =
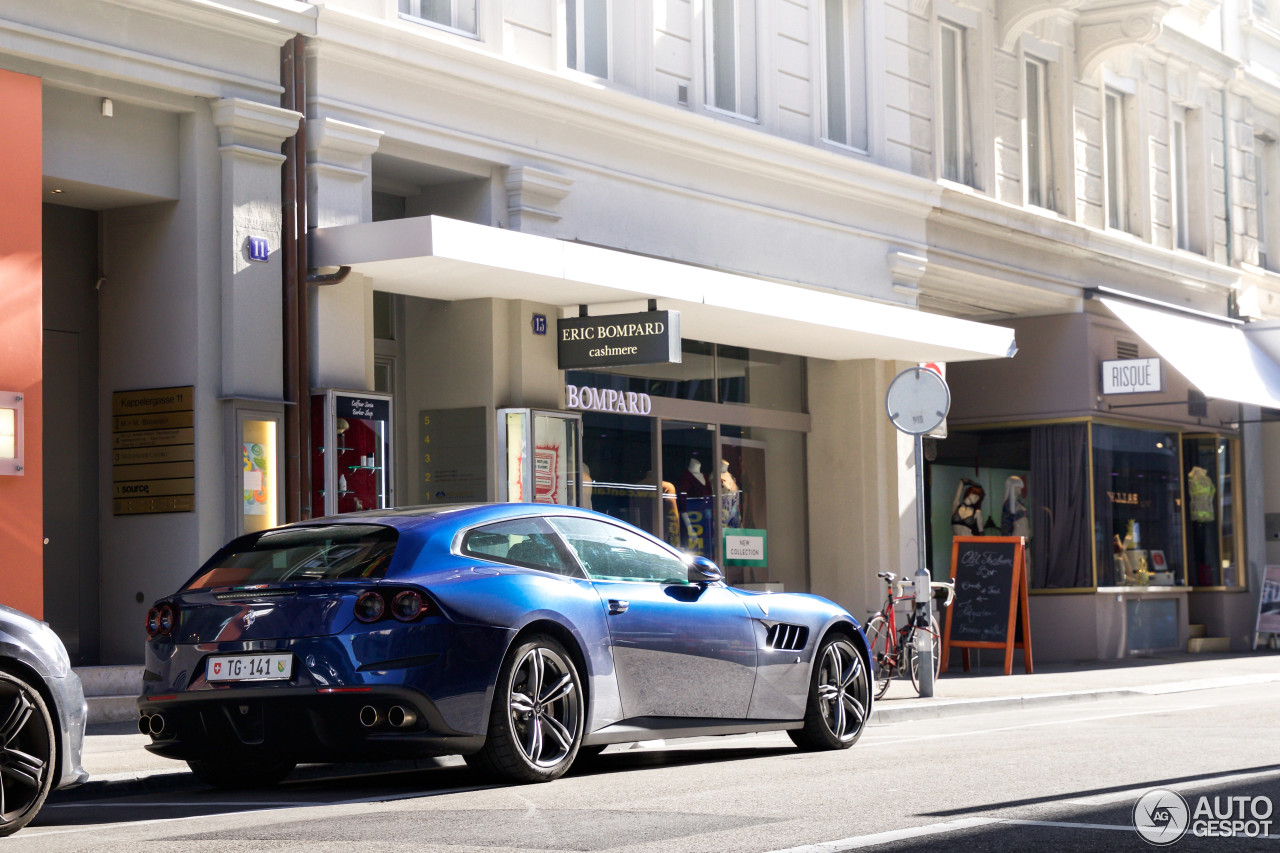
(702, 570)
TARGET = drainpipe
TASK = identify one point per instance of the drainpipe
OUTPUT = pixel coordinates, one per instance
(297, 391)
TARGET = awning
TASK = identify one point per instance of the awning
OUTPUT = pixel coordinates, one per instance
(1218, 359)
(439, 258)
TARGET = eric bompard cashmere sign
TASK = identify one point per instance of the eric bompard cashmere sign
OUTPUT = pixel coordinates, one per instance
(650, 337)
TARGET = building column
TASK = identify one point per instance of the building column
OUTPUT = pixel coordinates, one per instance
(861, 485)
(340, 192)
(250, 137)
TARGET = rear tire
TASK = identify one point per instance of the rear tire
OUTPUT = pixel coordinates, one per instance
(839, 697)
(239, 775)
(28, 752)
(536, 724)
(880, 645)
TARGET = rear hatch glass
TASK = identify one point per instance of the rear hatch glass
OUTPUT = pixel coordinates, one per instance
(301, 554)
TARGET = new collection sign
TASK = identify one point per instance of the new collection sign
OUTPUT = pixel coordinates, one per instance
(650, 337)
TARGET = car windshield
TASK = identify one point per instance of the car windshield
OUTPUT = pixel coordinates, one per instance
(300, 554)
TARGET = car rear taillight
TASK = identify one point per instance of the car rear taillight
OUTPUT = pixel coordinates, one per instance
(370, 607)
(160, 621)
(408, 605)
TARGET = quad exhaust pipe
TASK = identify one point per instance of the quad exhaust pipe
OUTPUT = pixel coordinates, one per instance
(151, 724)
(398, 717)
(401, 717)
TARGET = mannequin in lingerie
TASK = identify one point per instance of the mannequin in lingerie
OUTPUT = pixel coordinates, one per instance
(1013, 512)
(966, 509)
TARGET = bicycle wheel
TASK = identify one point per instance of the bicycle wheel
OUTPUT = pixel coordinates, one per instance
(912, 655)
(880, 642)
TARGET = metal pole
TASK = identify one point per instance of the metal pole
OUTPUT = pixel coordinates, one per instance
(924, 593)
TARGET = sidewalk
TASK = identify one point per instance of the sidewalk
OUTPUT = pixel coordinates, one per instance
(119, 765)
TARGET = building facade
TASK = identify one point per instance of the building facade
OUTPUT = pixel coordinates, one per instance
(304, 258)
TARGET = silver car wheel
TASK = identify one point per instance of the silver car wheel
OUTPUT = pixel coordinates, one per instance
(545, 707)
(26, 753)
(843, 690)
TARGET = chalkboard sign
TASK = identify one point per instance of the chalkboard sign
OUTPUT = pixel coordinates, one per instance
(991, 590)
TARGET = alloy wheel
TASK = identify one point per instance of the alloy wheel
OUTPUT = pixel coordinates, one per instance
(545, 707)
(26, 753)
(843, 690)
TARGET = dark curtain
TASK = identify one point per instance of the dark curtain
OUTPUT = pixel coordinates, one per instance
(1059, 497)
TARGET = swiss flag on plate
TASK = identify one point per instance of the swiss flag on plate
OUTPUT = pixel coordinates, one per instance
(217, 668)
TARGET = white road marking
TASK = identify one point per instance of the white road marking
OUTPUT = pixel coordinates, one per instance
(891, 836)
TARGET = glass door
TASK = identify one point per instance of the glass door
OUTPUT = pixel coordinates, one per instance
(541, 458)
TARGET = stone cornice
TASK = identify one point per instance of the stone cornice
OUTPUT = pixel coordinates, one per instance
(250, 124)
(1054, 236)
(339, 142)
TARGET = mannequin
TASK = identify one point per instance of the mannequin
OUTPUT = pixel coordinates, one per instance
(727, 482)
(730, 498)
(1013, 512)
(1200, 491)
(694, 483)
(966, 509)
(586, 485)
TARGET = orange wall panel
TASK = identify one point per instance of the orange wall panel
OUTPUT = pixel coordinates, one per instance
(21, 364)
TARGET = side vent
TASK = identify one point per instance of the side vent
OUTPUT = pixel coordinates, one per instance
(682, 94)
(787, 638)
(1126, 349)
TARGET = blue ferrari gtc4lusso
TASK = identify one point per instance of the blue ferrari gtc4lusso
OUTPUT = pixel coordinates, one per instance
(520, 636)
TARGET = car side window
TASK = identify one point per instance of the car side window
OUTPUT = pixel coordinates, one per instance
(526, 542)
(613, 553)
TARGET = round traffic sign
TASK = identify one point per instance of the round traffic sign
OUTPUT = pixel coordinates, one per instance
(918, 400)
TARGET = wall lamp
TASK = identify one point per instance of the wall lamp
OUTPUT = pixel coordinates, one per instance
(11, 433)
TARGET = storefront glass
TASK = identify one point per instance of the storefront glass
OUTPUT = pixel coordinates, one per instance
(689, 464)
(1138, 501)
(617, 468)
(711, 373)
(1208, 463)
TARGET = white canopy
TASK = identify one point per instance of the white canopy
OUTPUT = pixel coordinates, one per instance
(1218, 359)
(440, 258)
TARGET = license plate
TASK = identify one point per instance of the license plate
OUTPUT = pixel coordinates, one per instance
(249, 668)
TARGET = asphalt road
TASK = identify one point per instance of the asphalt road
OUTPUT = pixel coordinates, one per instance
(1058, 778)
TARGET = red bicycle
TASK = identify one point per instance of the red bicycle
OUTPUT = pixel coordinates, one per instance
(893, 649)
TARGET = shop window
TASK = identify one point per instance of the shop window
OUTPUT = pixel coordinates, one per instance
(711, 373)
(617, 469)
(689, 462)
(1209, 464)
(1030, 482)
(1138, 501)
(754, 377)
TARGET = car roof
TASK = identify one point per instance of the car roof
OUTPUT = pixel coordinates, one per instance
(413, 517)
